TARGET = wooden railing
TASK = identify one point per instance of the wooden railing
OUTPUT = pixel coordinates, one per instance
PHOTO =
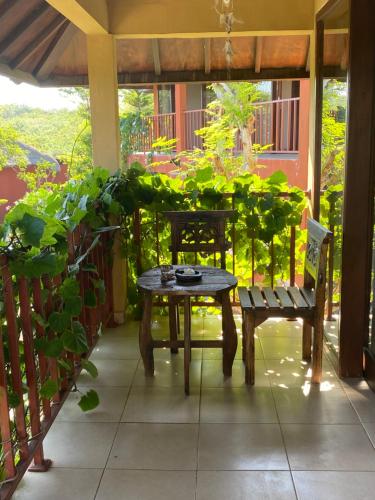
(276, 125)
(26, 417)
(151, 128)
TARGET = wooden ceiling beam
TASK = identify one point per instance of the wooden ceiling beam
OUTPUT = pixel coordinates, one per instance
(207, 55)
(214, 76)
(258, 54)
(156, 56)
(308, 54)
(90, 16)
(42, 38)
(25, 24)
(345, 56)
(7, 6)
(57, 47)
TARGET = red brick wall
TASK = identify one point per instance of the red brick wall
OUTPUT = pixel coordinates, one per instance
(12, 188)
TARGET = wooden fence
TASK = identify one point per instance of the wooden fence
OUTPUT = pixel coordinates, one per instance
(24, 424)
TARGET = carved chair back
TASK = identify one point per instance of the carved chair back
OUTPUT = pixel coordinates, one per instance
(201, 231)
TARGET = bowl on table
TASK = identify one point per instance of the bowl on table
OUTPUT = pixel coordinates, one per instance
(188, 275)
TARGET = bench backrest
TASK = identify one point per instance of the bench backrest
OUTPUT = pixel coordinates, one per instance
(318, 239)
(199, 231)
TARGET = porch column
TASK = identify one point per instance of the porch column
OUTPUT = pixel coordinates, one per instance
(359, 190)
(180, 102)
(304, 131)
(102, 69)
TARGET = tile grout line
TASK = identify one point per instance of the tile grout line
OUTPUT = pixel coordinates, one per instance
(117, 429)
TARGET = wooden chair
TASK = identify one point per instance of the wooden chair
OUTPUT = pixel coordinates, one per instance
(201, 231)
(259, 304)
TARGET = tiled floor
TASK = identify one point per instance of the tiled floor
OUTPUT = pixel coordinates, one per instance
(279, 440)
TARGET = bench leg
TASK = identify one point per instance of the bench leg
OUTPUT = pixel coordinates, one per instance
(243, 338)
(306, 341)
(187, 346)
(317, 363)
(249, 331)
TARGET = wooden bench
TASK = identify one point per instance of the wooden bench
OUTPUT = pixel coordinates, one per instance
(259, 304)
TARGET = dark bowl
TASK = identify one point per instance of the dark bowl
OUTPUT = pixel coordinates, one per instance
(187, 278)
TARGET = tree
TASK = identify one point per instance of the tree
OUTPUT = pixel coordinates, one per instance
(135, 106)
(10, 151)
(231, 114)
(333, 132)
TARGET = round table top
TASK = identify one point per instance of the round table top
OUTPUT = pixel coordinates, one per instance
(213, 280)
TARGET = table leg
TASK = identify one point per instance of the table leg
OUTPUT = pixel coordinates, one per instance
(173, 318)
(145, 338)
(187, 348)
(229, 334)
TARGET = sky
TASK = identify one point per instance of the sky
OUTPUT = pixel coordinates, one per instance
(45, 98)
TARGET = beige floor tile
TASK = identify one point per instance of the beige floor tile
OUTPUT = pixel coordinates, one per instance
(277, 328)
(241, 447)
(328, 447)
(116, 348)
(370, 429)
(241, 405)
(155, 446)
(362, 398)
(59, 484)
(147, 485)
(128, 329)
(112, 404)
(282, 347)
(169, 373)
(290, 373)
(112, 373)
(313, 405)
(217, 353)
(334, 485)
(212, 374)
(166, 355)
(162, 404)
(245, 485)
(84, 445)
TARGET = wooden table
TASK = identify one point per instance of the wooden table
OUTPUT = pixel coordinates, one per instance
(216, 283)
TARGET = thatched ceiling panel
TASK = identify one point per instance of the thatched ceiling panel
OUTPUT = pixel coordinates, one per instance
(134, 56)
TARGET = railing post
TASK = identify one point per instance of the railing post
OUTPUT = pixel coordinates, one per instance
(5, 425)
(40, 464)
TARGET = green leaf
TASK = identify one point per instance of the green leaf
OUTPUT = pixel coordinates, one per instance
(204, 174)
(89, 401)
(90, 298)
(75, 340)
(73, 305)
(59, 322)
(277, 178)
(51, 348)
(65, 365)
(89, 367)
(49, 389)
(69, 288)
(33, 229)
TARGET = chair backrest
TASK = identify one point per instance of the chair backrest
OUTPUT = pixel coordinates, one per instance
(318, 239)
(199, 231)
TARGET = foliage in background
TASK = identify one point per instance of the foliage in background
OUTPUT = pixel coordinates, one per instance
(333, 133)
(231, 117)
(261, 214)
(135, 105)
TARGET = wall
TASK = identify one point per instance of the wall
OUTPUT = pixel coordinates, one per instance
(293, 166)
(13, 189)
